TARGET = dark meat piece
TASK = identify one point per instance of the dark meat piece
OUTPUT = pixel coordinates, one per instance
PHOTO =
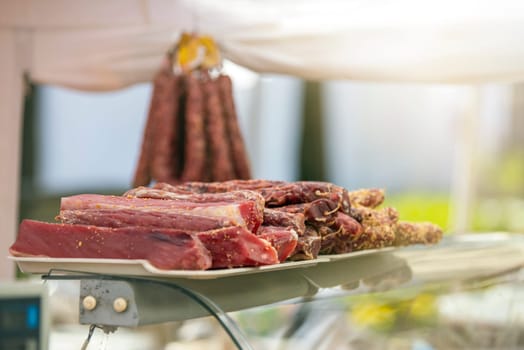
(238, 149)
(308, 245)
(320, 211)
(164, 164)
(143, 168)
(378, 227)
(220, 163)
(283, 239)
(150, 218)
(235, 246)
(370, 198)
(276, 193)
(163, 248)
(218, 186)
(339, 237)
(280, 218)
(245, 213)
(195, 138)
(407, 233)
(304, 192)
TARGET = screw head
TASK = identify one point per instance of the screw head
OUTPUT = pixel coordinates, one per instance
(120, 305)
(89, 303)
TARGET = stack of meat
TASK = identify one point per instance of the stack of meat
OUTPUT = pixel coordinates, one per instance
(192, 131)
(202, 225)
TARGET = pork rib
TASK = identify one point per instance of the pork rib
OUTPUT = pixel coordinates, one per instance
(163, 248)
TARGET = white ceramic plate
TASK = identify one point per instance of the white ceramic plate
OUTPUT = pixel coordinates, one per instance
(42, 265)
(334, 257)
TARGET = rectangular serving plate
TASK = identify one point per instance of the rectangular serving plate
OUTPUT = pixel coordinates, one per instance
(44, 265)
(128, 267)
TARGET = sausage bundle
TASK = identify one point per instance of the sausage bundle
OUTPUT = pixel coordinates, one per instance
(192, 131)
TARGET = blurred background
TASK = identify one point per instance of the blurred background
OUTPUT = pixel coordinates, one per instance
(419, 142)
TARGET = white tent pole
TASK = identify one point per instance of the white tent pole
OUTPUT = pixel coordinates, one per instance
(464, 177)
(11, 101)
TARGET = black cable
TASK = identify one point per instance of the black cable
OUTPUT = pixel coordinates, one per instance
(227, 323)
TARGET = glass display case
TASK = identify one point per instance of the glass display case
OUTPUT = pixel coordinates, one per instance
(465, 292)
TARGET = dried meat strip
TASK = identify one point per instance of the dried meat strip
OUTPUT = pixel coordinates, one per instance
(238, 149)
(194, 137)
(378, 227)
(320, 211)
(143, 169)
(163, 248)
(368, 197)
(219, 186)
(220, 163)
(308, 245)
(276, 193)
(407, 233)
(164, 164)
(340, 237)
(296, 221)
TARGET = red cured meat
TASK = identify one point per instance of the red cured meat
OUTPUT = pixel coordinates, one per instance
(236, 246)
(244, 213)
(220, 163)
(296, 221)
(228, 197)
(283, 239)
(163, 248)
(308, 245)
(218, 186)
(129, 217)
(275, 193)
(237, 146)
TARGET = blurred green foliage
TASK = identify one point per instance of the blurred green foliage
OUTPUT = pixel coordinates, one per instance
(419, 206)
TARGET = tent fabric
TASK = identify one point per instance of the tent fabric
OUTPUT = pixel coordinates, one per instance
(442, 41)
(105, 45)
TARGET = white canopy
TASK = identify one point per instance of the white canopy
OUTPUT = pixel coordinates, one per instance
(103, 45)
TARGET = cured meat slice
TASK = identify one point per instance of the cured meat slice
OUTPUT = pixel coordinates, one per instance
(163, 248)
(129, 217)
(194, 137)
(236, 246)
(368, 197)
(308, 245)
(220, 163)
(238, 149)
(296, 221)
(407, 233)
(283, 239)
(244, 213)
